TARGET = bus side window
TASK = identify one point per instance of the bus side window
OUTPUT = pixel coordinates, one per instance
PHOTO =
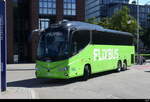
(107, 38)
(99, 37)
(80, 40)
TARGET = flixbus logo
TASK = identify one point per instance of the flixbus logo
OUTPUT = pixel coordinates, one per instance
(105, 54)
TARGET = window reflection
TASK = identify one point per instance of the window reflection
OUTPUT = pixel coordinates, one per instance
(43, 23)
(70, 7)
(47, 7)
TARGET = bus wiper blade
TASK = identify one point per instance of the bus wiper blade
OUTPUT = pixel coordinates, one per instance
(50, 59)
(44, 58)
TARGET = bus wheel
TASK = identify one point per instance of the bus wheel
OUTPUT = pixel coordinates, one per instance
(119, 66)
(124, 66)
(87, 73)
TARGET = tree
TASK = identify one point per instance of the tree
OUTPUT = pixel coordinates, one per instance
(122, 21)
(105, 22)
(134, 2)
(91, 21)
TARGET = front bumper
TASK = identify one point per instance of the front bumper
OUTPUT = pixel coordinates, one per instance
(54, 73)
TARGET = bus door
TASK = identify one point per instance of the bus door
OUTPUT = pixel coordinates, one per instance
(80, 41)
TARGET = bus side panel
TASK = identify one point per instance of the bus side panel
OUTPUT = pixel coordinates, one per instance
(96, 56)
(78, 62)
(106, 57)
(126, 54)
(98, 65)
(100, 58)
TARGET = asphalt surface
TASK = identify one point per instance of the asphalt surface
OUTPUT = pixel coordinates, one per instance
(131, 84)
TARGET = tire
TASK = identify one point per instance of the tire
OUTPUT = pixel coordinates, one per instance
(124, 66)
(87, 73)
(119, 66)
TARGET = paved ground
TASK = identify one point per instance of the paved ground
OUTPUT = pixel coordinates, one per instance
(18, 93)
(131, 84)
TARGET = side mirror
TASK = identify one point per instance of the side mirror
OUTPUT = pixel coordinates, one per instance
(37, 30)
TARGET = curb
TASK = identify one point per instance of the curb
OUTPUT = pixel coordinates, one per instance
(20, 67)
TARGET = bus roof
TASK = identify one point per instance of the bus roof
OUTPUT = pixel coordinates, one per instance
(86, 26)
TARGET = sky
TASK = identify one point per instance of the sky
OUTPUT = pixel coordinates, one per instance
(142, 2)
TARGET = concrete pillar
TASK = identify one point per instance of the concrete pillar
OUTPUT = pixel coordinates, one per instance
(10, 31)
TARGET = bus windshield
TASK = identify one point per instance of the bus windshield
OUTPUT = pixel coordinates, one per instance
(53, 45)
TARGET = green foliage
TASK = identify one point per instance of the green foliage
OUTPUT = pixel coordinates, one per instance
(105, 22)
(91, 20)
(121, 21)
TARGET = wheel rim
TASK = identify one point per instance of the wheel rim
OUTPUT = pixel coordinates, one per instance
(124, 66)
(119, 67)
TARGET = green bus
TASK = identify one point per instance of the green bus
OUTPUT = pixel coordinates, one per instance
(72, 49)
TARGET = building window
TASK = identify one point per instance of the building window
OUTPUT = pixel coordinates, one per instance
(47, 7)
(43, 23)
(70, 7)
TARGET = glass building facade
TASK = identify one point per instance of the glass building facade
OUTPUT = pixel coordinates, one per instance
(106, 8)
(98, 8)
(115, 1)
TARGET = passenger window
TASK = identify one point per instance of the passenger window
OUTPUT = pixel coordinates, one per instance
(107, 38)
(80, 40)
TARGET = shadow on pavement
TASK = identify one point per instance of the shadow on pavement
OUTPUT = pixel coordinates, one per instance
(147, 71)
(37, 83)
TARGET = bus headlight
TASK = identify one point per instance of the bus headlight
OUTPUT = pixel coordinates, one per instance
(63, 69)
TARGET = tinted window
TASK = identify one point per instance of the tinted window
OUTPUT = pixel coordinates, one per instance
(53, 45)
(107, 38)
(80, 40)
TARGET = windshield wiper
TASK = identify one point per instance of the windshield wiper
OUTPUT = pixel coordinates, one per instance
(46, 58)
